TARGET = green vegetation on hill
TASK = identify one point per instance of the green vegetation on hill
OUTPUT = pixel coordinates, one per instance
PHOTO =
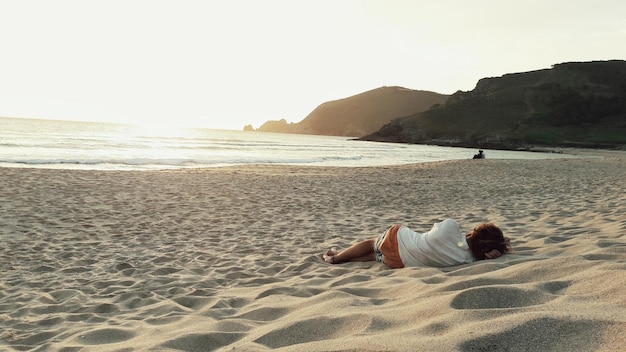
(579, 104)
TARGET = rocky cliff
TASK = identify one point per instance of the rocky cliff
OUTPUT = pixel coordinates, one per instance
(579, 104)
(360, 114)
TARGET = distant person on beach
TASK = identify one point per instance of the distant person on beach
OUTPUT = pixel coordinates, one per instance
(480, 155)
(444, 245)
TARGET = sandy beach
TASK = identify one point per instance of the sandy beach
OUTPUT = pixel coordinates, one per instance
(229, 259)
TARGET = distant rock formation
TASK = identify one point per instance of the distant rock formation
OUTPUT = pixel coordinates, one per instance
(360, 114)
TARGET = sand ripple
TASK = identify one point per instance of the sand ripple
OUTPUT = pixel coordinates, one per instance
(229, 259)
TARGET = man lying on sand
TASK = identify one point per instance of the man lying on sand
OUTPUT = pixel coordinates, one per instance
(443, 245)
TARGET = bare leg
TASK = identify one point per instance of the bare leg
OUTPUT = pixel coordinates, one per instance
(359, 252)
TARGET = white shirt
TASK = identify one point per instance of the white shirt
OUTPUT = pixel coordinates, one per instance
(443, 245)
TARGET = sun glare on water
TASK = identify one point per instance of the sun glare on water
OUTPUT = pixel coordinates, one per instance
(156, 142)
(161, 130)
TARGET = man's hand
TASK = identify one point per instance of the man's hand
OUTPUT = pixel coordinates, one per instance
(493, 254)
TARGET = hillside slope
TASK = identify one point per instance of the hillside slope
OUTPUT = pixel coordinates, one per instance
(580, 104)
(360, 114)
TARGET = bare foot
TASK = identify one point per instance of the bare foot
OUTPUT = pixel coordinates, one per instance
(329, 257)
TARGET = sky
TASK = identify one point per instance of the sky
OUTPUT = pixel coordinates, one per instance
(227, 64)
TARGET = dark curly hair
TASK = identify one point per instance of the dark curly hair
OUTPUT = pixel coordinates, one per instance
(487, 237)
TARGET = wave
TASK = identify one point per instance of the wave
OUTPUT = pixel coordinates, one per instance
(199, 144)
(40, 144)
(169, 163)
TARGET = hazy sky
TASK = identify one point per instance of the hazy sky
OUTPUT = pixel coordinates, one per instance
(225, 64)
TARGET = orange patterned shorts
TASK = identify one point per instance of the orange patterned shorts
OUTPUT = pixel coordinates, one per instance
(386, 248)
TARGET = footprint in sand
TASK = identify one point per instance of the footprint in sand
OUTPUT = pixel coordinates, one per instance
(489, 297)
(105, 336)
(543, 334)
(203, 342)
(316, 329)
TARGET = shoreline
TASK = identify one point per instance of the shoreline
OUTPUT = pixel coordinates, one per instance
(85, 167)
(230, 258)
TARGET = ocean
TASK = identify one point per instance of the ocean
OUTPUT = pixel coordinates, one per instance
(56, 144)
